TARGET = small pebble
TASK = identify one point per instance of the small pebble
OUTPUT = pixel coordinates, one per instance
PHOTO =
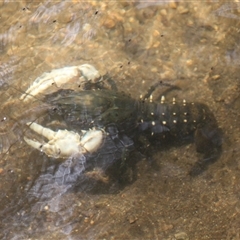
(156, 44)
(182, 10)
(181, 236)
(173, 5)
(156, 33)
(163, 12)
(166, 227)
(109, 23)
(189, 62)
(190, 23)
(215, 77)
(132, 219)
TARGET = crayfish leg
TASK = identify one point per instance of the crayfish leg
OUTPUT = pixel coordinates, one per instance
(208, 141)
(169, 86)
(208, 138)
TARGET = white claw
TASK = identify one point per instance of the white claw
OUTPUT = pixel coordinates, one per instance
(92, 140)
(57, 78)
(34, 144)
(45, 132)
(64, 143)
(89, 72)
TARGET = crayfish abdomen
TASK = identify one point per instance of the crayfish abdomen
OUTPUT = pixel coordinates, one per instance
(181, 122)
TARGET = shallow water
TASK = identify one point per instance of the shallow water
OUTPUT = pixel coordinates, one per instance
(192, 45)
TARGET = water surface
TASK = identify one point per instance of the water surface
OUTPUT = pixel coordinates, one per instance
(192, 45)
